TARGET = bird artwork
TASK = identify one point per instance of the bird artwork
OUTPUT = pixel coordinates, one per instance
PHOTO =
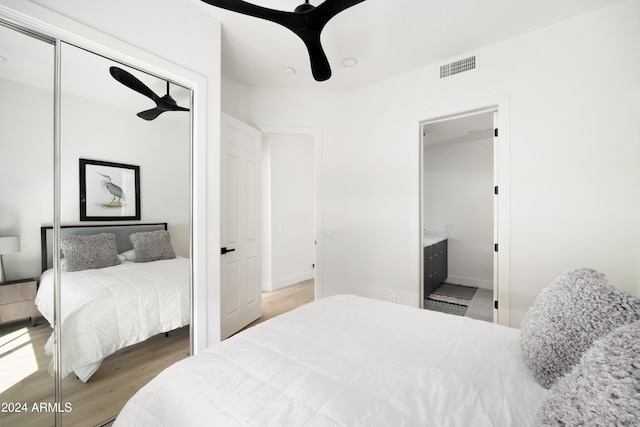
(112, 189)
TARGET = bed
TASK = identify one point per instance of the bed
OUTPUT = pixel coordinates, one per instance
(351, 361)
(348, 361)
(138, 294)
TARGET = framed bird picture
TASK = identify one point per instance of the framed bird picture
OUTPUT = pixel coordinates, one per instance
(109, 191)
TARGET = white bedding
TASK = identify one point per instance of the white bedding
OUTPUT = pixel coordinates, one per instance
(348, 361)
(104, 310)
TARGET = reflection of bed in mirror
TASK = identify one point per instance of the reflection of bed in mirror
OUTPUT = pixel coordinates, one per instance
(120, 284)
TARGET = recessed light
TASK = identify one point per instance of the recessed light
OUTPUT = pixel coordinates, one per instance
(349, 62)
(290, 70)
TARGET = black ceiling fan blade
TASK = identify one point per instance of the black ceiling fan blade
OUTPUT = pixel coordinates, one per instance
(320, 67)
(317, 18)
(165, 103)
(132, 82)
(306, 22)
(161, 108)
(150, 114)
(288, 19)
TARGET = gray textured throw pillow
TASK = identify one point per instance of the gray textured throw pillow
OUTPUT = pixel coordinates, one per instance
(152, 246)
(603, 389)
(89, 252)
(567, 317)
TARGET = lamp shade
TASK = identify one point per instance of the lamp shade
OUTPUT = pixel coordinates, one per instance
(9, 244)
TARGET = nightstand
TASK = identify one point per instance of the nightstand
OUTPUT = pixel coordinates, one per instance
(17, 300)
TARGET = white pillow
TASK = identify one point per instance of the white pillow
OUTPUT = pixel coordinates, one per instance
(129, 255)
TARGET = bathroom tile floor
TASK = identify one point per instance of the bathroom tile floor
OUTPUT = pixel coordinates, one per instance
(481, 305)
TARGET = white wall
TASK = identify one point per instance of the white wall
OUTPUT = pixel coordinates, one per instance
(574, 94)
(458, 199)
(97, 131)
(316, 110)
(234, 99)
(26, 172)
(292, 209)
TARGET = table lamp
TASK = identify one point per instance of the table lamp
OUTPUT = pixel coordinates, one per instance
(8, 245)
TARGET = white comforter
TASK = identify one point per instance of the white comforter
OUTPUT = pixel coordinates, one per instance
(104, 310)
(348, 361)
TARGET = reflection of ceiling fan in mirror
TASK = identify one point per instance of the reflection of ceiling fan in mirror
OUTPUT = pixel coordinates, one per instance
(164, 103)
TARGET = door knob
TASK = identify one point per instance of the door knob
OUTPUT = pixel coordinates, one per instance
(225, 250)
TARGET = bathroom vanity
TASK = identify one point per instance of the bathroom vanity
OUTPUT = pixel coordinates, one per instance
(435, 263)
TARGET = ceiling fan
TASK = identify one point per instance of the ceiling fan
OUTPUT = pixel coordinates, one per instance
(164, 103)
(306, 21)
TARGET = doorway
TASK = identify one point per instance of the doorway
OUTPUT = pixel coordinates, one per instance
(458, 210)
(290, 211)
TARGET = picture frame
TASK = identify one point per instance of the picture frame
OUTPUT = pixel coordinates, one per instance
(109, 191)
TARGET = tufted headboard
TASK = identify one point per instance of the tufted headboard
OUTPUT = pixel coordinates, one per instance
(121, 231)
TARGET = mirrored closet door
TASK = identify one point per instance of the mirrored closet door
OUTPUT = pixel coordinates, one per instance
(125, 195)
(26, 203)
(123, 202)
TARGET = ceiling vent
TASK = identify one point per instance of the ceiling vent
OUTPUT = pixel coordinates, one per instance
(458, 67)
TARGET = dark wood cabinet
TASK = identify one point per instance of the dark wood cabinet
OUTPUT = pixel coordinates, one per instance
(435, 266)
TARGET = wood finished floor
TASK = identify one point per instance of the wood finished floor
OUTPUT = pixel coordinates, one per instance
(106, 392)
(285, 299)
(119, 376)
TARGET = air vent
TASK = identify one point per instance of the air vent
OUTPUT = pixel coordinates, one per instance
(458, 67)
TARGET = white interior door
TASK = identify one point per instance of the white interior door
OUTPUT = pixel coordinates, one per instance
(240, 263)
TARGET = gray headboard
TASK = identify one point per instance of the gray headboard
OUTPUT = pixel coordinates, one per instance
(121, 231)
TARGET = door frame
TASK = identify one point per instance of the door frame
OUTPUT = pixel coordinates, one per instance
(502, 218)
(316, 135)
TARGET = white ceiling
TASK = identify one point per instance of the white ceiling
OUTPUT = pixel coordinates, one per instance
(388, 37)
(24, 57)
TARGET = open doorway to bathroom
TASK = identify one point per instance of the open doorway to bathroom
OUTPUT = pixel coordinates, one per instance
(459, 213)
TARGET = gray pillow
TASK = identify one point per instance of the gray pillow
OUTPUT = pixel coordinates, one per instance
(152, 246)
(89, 252)
(576, 309)
(603, 389)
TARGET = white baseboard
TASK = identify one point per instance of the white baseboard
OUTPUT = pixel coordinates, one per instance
(292, 280)
(470, 281)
